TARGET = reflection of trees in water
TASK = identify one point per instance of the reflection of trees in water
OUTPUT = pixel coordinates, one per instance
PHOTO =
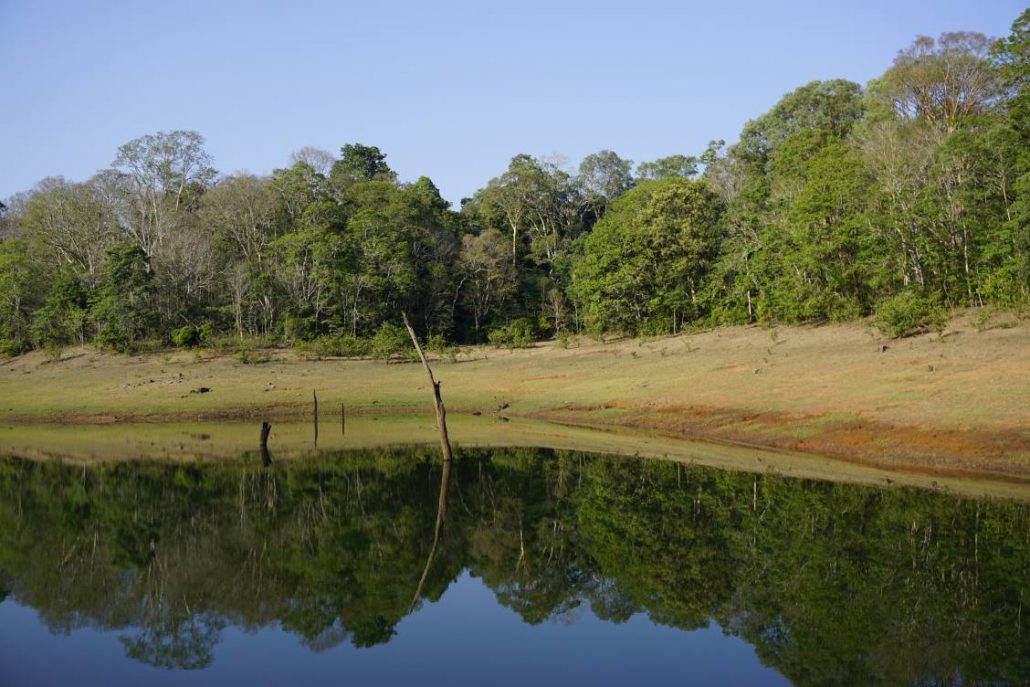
(832, 584)
(175, 640)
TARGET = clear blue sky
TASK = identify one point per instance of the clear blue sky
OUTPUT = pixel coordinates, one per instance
(450, 90)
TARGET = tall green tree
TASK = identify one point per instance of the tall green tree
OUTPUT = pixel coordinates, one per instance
(488, 280)
(359, 162)
(21, 293)
(123, 313)
(604, 176)
(685, 166)
(644, 263)
(157, 178)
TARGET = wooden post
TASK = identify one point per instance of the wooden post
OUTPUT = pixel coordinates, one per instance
(266, 458)
(343, 420)
(314, 397)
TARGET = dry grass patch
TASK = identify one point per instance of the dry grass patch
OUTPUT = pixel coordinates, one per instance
(926, 400)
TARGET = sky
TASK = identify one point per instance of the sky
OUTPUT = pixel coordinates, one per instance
(450, 90)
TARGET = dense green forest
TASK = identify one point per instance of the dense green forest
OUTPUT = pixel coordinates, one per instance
(905, 197)
(832, 584)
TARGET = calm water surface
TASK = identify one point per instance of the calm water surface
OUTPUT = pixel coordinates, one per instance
(516, 566)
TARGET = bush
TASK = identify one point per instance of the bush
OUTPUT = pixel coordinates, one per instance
(655, 326)
(253, 356)
(223, 344)
(341, 346)
(909, 313)
(297, 328)
(391, 341)
(12, 346)
(518, 333)
(207, 332)
(53, 350)
(186, 337)
(436, 343)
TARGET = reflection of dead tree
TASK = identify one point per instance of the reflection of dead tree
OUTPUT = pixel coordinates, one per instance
(441, 509)
(445, 475)
(314, 410)
(441, 413)
(266, 458)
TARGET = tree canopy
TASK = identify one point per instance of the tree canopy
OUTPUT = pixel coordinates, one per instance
(839, 202)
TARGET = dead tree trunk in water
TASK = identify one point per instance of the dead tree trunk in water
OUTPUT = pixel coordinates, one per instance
(314, 398)
(266, 458)
(445, 475)
(441, 412)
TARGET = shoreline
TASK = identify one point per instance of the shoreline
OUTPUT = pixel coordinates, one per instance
(692, 426)
(823, 390)
(100, 444)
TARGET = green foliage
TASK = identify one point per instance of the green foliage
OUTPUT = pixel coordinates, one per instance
(833, 106)
(647, 259)
(19, 295)
(360, 163)
(250, 353)
(437, 343)
(604, 176)
(339, 346)
(909, 313)
(187, 336)
(391, 341)
(63, 318)
(830, 202)
(124, 312)
(684, 166)
(519, 333)
(567, 340)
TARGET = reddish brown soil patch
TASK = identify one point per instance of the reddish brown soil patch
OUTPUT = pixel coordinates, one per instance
(932, 451)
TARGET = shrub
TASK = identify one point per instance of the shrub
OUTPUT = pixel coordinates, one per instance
(436, 343)
(909, 313)
(248, 350)
(340, 346)
(297, 328)
(207, 332)
(253, 356)
(655, 326)
(186, 337)
(12, 346)
(391, 341)
(53, 350)
(567, 340)
(518, 333)
(224, 344)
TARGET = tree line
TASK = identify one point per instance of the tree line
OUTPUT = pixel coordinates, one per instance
(905, 197)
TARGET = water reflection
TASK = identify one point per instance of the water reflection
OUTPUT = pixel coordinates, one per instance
(831, 584)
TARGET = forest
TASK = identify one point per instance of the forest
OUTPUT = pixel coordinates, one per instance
(902, 198)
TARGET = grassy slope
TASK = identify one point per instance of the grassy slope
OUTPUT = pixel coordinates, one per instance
(958, 404)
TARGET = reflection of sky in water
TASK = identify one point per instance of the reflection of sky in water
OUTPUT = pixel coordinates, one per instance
(465, 638)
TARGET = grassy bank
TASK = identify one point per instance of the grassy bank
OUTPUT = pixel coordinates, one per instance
(953, 405)
(86, 444)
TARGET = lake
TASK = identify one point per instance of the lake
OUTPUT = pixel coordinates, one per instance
(514, 566)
